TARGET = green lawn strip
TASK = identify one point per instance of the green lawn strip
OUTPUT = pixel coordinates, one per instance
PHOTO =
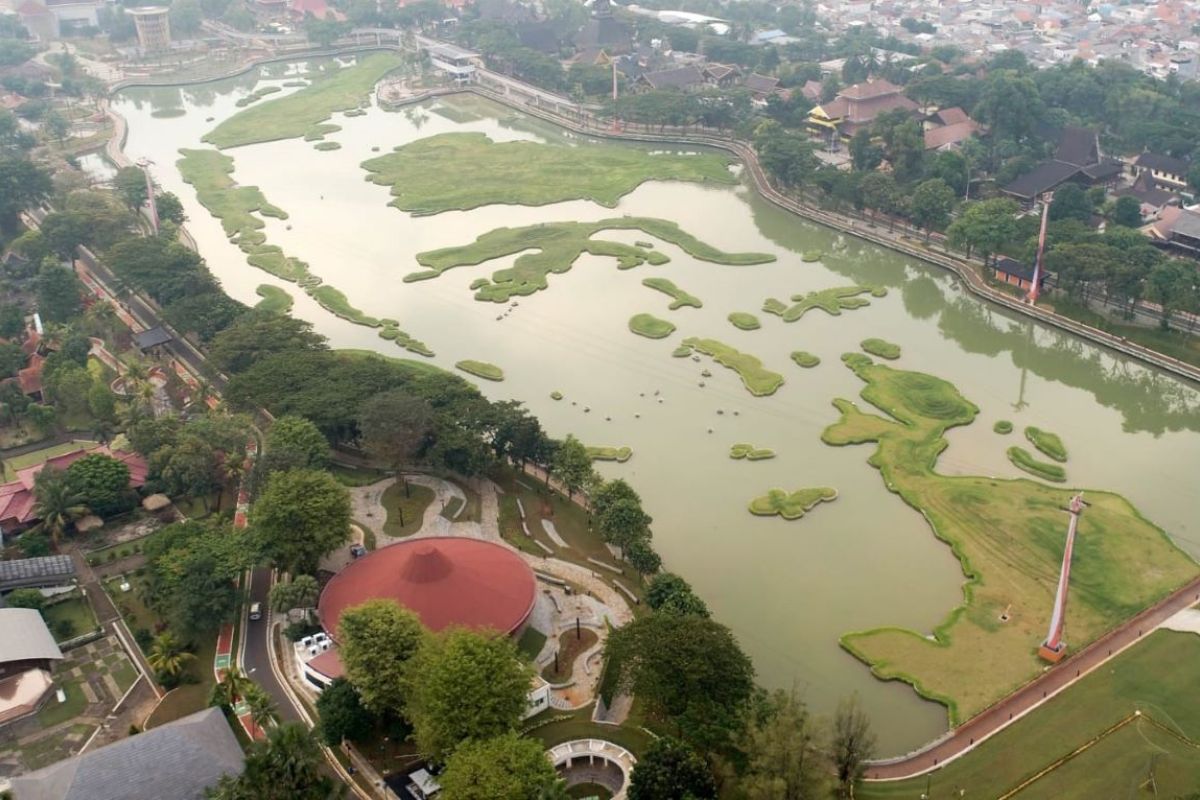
(240, 208)
(791, 505)
(357, 476)
(1178, 344)
(74, 613)
(1003, 427)
(256, 95)
(881, 348)
(1008, 536)
(1156, 676)
(511, 529)
(1023, 459)
(274, 299)
(555, 727)
(679, 298)
(756, 378)
(531, 642)
(1048, 443)
(805, 359)
(831, 301)
(55, 713)
(427, 176)
(604, 453)
(557, 245)
(744, 321)
(35, 457)
(750, 452)
(122, 549)
(56, 746)
(189, 697)
(651, 326)
(413, 504)
(301, 113)
(481, 369)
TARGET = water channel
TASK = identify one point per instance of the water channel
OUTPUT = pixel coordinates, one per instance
(788, 589)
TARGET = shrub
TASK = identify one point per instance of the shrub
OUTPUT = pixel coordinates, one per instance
(64, 629)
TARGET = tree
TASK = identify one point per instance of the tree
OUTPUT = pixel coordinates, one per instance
(1193, 178)
(12, 358)
(59, 293)
(930, 205)
(286, 767)
(784, 753)
(879, 192)
(985, 226)
(670, 770)
(102, 403)
(191, 575)
(464, 685)
(642, 556)
(167, 657)
(376, 642)
(263, 711)
(852, 746)
(511, 766)
(624, 522)
(231, 688)
(301, 516)
(26, 598)
(301, 439)
(864, 154)
(688, 670)
(342, 714)
(1171, 284)
(1128, 212)
(22, 184)
(169, 208)
(258, 334)
(185, 16)
(187, 467)
(12, 320)
(301, 592)
(323, 32)
(130, 182)
(572, 465)
(396, 427)
(103, 483)
(670, 594)
(56, 503)
(1070, 202)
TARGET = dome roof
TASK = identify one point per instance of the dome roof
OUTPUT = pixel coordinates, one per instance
(443, 580)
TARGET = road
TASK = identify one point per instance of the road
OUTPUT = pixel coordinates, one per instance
(255, 656)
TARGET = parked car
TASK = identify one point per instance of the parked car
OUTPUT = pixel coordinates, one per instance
(357, 551)
(255, 611)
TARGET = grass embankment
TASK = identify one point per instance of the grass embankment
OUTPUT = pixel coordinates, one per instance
(805, 359)
(1048, 443)
(750, 452)
(791, 505)
(240, 210)
(651, 326)
(1008, 536)
(881, 348)
(558, 245)
(557, 727)
(481, 369)
(410, 505)
(831, 301)
(1023, 459)
(461, 171)
(1003, 427)
(1156, 677)
(256, 95)
(1174, 343)
(606, 453)
(303, 113)
(679, 298)
(744, 321)
(273, 299)
(757, 379)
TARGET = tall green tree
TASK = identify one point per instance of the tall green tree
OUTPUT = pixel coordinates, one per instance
(59, 293)
(287, 766)
(670, 594)
(168, 657)
(396, 427)
(22, 184)
(985, 226)
(670, 770)
(342, 714)
(572, 465)
(263, 710)
(623, 523)
(785, 753)
(130, 182)
(376, 642)
(103, 483)
(300, 592)
(509, 765)
(853, 744)
(301, 439)
(56, 503)
(1128, 212)
(258, 334)
(931, 204)
(301, 515)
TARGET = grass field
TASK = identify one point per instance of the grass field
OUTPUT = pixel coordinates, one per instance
(578, 725)
(791, 505)
(481, 369)
(757, 379)
(302, 113)
(881, 348)
(1003, 427)
(1177, 344)
(679, 298)
(11, 465)
(558, 245)
(606, 453)
(744, 321)
(1008, 536)
(461, 171)
(75, 613)
(805, 359)
(750, 452)
(831, 301)
(1022, 459)
(413, 505)
(1048, 443)
(651, 326)
(274, 299)
(1156, 676)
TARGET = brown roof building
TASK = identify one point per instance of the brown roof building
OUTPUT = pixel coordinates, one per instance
(856, 107)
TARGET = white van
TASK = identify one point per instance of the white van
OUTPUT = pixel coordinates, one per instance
(255, 611)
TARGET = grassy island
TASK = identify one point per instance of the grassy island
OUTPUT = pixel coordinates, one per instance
(305, 112)
(1008, 536)
(881, 348)
(273, 299)
(1048, 443)
(461, 171)
(603, 453)
(750, 453)
(756, 378)
(651, 326)
(679, 298)
(831, 301)
(326, 146)
(1023, 459)
(805, 359)
(1003, 427)
(481, 369)
(558, 245)
(744, 321)
(791, 505)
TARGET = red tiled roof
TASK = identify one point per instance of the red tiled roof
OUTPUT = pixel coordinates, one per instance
(32, 8)
(29, 378)
(949, 134)
(865, 91)
(329, 664)
(952, 116)
(444, 581)
(17, 498)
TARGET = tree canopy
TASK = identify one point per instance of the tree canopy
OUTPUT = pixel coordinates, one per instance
(509, 765)
(300, 516)
(376, 641)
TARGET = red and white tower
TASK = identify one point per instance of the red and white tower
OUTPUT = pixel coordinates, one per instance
(1054, 648)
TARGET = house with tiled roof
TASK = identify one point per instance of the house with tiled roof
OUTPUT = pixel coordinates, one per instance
(17, 499)
(856, 107)
(1165, 171)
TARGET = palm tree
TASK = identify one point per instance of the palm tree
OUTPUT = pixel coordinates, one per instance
(167, 655)
(287, 766)
(56, 503)
(103, 430)
(263, 711)
(232, 686)
(233, 469)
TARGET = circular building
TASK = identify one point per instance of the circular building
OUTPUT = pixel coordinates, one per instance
(445, 581)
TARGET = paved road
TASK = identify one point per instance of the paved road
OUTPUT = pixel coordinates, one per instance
(256, 659)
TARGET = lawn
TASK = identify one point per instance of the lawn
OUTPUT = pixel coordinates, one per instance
(744, 321)
(124, 549)
(1176, 344)
(274, 299)
(357, 476)
(1008, 536)
(74, 612)
(651, 326)
(608, 453)
(579, 725)
(679, 298)
(557, 246)
(1022, 459)
(11, 465)
(757, 379)
(1156, 677)
(791, 505)
(831, 301)
(1048, 443)
(531, 642)
(428, 176)
(881, 347)
(54, 713)
(412, 505)
(481, 369)
(55, 747)
(303, 113)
